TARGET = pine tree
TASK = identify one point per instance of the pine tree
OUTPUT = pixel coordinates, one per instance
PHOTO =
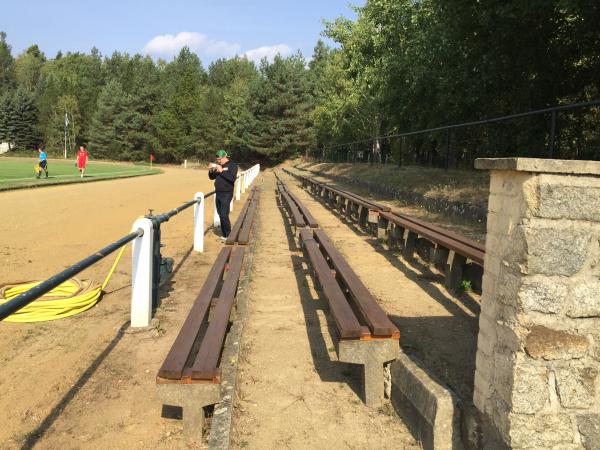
(105, 140)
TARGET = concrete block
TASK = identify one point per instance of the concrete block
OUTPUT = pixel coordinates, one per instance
(427, 407)
(372, 354)
(192, 398)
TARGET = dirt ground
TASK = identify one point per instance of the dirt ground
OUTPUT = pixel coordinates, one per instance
(84, 382)
(89, 382)
(292, 393)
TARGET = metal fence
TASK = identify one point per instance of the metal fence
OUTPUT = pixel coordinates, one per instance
(568, 132)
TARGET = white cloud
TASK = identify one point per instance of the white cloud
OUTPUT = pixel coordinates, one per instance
(269, 52)
(167, 45)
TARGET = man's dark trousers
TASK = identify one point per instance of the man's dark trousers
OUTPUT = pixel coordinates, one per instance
(223, 200)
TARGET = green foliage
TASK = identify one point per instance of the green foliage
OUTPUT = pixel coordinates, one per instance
(465, 286)
(18, 120)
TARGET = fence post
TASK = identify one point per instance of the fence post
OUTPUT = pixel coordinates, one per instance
(232, 196)
(199, 222)
(141, 274)
(238, 188)
(216, 220)
(243, 183)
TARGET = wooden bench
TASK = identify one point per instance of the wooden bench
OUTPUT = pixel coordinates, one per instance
(434, 245)
(300, 215)
(458, 257)
(366, 335)
(240, 232)
(190, 375)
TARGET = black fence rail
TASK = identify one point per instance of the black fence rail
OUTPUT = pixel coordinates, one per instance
(568, 131)
(12, 306)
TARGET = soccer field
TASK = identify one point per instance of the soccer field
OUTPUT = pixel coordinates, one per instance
(19, 172)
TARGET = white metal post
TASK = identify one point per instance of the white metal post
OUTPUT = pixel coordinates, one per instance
(243, 183)
(141, 274)
(199, 222)
(238, 186)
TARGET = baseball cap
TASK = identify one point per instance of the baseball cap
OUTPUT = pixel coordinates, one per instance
(222, 154)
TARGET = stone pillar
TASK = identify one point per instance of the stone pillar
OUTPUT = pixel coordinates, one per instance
(538, 350)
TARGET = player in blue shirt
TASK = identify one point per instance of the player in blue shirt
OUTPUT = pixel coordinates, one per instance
(43, 163)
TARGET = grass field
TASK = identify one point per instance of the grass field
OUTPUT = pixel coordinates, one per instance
(16, 173)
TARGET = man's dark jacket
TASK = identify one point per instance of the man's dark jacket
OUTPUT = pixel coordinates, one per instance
(224, 181)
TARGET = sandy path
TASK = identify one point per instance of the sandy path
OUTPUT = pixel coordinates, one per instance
(292, 393)
(440, 329)
(82, 382)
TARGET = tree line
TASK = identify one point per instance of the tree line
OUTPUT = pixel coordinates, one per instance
(402, 65)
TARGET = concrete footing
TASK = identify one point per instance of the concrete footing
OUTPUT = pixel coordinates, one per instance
(192, 398)
(372, 355)
(427, 408)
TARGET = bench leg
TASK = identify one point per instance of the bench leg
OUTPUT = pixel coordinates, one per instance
(409, 247)
(372, 355)
(363, 217)
(382, 229)
(440, 260)
(455, 276)
(193, 423)
(192, 398)
(425, 249)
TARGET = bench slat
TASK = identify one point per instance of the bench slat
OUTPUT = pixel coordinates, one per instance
(309, 219)
(293, 209)
(235, 230)
(374, 315)
(468, 242)
(173, 365)
(342, 313)
(207, 359)
(244, 235)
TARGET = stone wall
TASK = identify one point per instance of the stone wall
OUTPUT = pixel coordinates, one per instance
(538, 351)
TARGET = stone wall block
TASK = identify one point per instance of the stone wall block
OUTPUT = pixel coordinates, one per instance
(540, 430)
(542, 294)
(561, 199)
(576, 386)
(589, 428)
(585, 299)
(557, 251)
(550, 344)
(530, 392)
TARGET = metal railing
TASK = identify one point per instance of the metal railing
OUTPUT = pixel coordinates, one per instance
(551, 132)
(32, 294)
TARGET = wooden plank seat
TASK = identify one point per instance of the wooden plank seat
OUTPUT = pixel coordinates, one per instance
(365, 334)
(240, 231)
(301, 216)
(190, 374)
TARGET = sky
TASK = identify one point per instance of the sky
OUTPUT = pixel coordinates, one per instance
(211, 28)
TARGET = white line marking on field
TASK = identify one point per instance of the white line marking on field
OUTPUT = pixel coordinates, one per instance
(2, 180)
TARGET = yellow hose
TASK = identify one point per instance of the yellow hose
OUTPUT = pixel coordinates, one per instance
(65, 300)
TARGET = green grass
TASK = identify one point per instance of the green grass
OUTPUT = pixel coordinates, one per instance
(17, 173)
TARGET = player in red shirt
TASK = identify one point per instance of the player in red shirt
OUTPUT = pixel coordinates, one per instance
(82, 159)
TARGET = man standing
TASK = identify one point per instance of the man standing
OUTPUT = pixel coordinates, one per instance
(43, 163)
(224, 173)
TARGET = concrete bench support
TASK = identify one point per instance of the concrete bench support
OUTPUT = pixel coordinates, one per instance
(371, 354)
(192, 398)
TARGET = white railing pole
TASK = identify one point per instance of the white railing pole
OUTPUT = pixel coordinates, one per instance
(199, 222)
(216, 220)
(238, 188)
(141, 274)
